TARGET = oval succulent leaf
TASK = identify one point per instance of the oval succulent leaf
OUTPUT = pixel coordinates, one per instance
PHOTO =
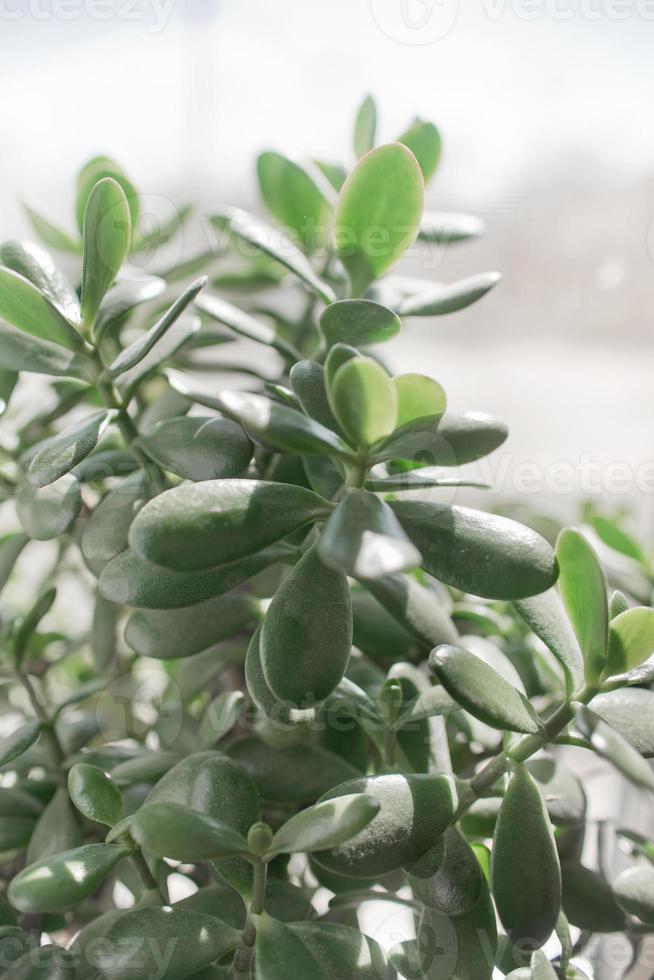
(199, 448)
(122, 299)
(546, 616)
(414, 811)
(34, 263)
(106, 234)
(424, 141)
(364, 538)
(364, 401)
(378, 213)
(298, 199)
(94, 794)
(525, 871)
(308, 383)
(28, 309)
(306, 636)
(242, 323)
(482, 691)
(442, 299)
(610, 745)
(199, 526)
(421, 401)
(12, 746)
(417, 608)
(20, 351)
(48, 512)
(583, 589)
(634, 890)
(174, 831)
(64, 451)
(60, 883)
(457, 439)
(325, 824)
(453, 883)
(478, 553)
(629, 711)
(358, 322)
(442, 228)
(191, 940)
(631, 640)
(279, 426)
(365, 126)
(166, 634)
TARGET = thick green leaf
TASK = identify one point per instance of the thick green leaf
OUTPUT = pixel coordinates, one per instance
(588, 900)
(136, 352)
(27, 308)
(614, 537)
(48, 512)
(611, 745)
(122, 299)
(461, 946)
(220, 717)
(308, 383)
(242, 323)
(526, 877)
(174, 831)
(365, 126)
(562, 791)
(448, 878)
(92, 172)
(325, 825)
(358, 322)
(421, 401)
(57, 456)
(583, 590)
(57, 829)
(479, 553)
(132, 581)
(61, 882)
(417, 608)
(297, 773)
(545, 615)
(415, 811)
(258, 687)
(106, 234)
(49, 233)
(167, 943)
(22, 352)
(482, 691)
(364, 400)
(420, 480)
(364, 538)
(202, 525)
(299, 200)
(94, 794)
(279, 427)
(457, 439)
(306, 636)
(424, 141)
(378, 213)
(48, 962)
(280, 954)
(631, 640)
(448, 298)
(12, 746)
(630, 711)
(35, 264)
(199, 448)
(634, 890)
(29, 623)
(168, 634)
(103, 632)
(272, 242)
(105, 533)
(317, 950)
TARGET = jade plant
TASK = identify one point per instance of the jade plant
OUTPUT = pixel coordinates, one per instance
(257, 670)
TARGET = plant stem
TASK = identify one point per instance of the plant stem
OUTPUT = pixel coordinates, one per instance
(243, 956)
(58, 754)
(147, 878)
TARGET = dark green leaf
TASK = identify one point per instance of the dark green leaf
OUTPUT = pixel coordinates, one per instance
(13, 745)
(220, 717)
(415, 811)
(630, 711)
(48, 512)
(94, 794)
(358, 322)
(325, 825)
(166, 634)
(107, 233)
(292, 774)
(378, 213)
(457, 439)
(482, 691)
(634, 890)
(478, 553)
(105, 533)
(448, 298)
(308, 382)
(57, 829)
(583, 589)
(364, 538)
(61, 882)
(611, 745)
(27, 308)
(124, 297)
(525, 868)
(174, 831)
(35, 264)
(57, 456)
(545, 615)
(453, 882)
(22, 352)
(589, 901)
(306, 636)
(417, 608)
(242, 323)
(199, 526)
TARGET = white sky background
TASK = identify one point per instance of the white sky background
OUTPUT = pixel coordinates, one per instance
(547, 126)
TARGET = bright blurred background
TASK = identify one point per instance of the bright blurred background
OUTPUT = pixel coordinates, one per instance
(544, 108)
